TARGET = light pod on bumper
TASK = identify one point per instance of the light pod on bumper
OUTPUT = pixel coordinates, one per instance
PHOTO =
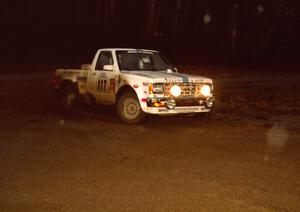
(171, 104)
(210, 102)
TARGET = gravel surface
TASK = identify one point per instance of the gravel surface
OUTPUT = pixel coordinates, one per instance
(244, 158)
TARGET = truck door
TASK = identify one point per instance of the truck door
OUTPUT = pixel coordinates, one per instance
(102, 82)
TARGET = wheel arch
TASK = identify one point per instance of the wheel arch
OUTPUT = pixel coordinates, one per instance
(65, 83)
(70, 83)
(127, 89)
(124, 89)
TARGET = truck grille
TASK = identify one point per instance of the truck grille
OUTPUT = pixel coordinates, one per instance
(187, 89)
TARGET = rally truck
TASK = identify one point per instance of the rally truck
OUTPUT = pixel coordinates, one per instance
(137, 82)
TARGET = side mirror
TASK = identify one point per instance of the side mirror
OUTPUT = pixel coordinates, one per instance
(86, 67)
(108, 67)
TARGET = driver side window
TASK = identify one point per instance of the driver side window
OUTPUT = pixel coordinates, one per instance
(105, 58)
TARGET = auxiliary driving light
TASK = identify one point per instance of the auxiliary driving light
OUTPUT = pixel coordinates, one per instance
(209, 103)
(175, 90)
(170, 104)
(205, 90)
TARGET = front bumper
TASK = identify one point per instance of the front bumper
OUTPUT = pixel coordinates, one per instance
(176, 110)
(179, 106)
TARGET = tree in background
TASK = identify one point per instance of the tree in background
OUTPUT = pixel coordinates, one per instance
(248, 32)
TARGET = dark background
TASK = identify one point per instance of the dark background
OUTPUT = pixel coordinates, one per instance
(239, 33)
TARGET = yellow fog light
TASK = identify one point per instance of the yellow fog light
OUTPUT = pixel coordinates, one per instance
(156, 104)
(150, 88)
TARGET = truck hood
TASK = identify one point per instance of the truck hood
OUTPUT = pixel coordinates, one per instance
(162, 77)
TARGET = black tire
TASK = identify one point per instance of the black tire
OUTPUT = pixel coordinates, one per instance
(69, 99)
(129, 109)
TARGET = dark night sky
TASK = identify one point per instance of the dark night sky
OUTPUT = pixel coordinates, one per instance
(243, 32)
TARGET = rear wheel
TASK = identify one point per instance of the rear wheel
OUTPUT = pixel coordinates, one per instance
(69, 99)
(129, 109)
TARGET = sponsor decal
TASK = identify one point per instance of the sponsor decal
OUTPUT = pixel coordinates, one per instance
(173, 79)
(162, 110)
(188, 109)
(182, 109)
(139, 51)
(195, 80)
(183, 77)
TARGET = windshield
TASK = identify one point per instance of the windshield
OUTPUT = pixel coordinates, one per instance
(142, 61)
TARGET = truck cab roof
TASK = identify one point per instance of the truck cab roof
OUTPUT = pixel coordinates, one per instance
(127, 49)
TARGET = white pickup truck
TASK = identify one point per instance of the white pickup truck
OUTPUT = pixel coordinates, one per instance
(137, 82)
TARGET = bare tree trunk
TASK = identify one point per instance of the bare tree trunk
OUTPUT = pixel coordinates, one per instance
(234, 27)
(105, 11)
(151, 18)
(112, 7)
(267, 36)
(177, 15)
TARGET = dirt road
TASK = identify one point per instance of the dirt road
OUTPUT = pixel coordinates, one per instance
(92, 162)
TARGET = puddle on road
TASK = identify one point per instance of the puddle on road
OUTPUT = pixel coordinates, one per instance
(277, 137)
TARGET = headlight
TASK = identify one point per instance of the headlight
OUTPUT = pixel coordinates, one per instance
(156, 88)
(205, 90)
(175, 90)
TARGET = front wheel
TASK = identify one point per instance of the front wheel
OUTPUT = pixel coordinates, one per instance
(129, 109)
